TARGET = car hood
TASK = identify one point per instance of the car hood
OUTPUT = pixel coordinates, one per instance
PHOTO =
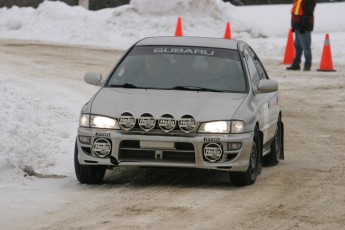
(203, 106)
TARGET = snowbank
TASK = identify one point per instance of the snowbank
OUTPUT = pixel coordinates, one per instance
(264, 27)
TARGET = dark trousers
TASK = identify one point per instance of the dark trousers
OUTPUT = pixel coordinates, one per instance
(303, 45)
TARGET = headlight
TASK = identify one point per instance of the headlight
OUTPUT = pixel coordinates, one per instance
(84, 120)
(237, 126)
(95, 121)
(222, 127)
(215, 127)
(103, 122)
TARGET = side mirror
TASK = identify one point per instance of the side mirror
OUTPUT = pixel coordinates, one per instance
(267, 86)
(93, 78)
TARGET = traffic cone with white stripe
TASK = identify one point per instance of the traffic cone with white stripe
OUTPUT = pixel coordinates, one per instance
(326, 58)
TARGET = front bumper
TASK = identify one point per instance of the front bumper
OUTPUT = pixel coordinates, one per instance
(186, 151)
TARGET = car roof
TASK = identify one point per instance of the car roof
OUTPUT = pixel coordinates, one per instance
(190, 41)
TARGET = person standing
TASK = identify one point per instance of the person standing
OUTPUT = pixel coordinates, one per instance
(302, 23)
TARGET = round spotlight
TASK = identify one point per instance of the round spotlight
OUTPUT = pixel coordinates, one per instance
(101, 147)
(127, 121)
(167, 122)
(213, 152)
(187, 123)
(146, 122)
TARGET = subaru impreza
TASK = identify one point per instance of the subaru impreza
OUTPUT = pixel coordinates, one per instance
(186, 102)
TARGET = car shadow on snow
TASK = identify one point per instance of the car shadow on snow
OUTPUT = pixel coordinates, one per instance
(179, 177)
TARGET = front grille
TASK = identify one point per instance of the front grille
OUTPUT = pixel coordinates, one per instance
(158, 131)
(182, 153)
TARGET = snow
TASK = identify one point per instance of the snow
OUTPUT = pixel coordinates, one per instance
(39, 125)
(264, 27)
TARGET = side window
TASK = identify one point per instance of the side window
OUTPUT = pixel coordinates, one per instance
(253, 71)
(260, 68)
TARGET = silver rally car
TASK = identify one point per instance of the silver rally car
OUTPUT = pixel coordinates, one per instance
(185, 102)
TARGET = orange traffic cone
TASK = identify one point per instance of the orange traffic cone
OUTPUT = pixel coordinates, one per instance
(326, 58)
(289, 50)
(227, 34)
(178, 31)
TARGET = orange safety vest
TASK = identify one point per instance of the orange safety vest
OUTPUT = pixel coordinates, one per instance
(297, 8)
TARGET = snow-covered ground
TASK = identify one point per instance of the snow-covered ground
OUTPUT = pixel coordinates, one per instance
(42, 92)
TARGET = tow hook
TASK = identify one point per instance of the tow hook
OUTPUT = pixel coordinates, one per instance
(113, 160)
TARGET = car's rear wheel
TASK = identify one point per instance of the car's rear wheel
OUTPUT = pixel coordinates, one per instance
(87, 174)
(272, 158)
(248, 177)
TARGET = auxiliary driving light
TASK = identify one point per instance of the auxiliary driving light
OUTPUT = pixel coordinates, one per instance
(234, 145)
(102, 147)
(213, 152)
(85, 139)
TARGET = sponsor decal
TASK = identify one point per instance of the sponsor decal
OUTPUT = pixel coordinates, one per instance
(184, 51)
(187, 123)
(167, 122)
(213, 152)
(211, 139)
(146, 122)
(101, 147)
(103, 134)
(127, 121)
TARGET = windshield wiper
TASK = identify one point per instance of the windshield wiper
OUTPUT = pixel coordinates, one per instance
(126, 85)
(195, 88)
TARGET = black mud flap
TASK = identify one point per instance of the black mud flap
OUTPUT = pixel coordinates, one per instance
(261, 160)
(260, 164)
(282, 157)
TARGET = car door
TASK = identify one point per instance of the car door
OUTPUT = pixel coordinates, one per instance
(263, 101)
(272, 100)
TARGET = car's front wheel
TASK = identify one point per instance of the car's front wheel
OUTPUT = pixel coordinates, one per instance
(273, 157)
(87, 174)
(248, 177)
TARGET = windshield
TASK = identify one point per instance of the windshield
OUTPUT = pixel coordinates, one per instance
(180, 68)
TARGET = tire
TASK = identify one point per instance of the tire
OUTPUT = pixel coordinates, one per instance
(248, 177)
(273, 157)
(87, 174)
